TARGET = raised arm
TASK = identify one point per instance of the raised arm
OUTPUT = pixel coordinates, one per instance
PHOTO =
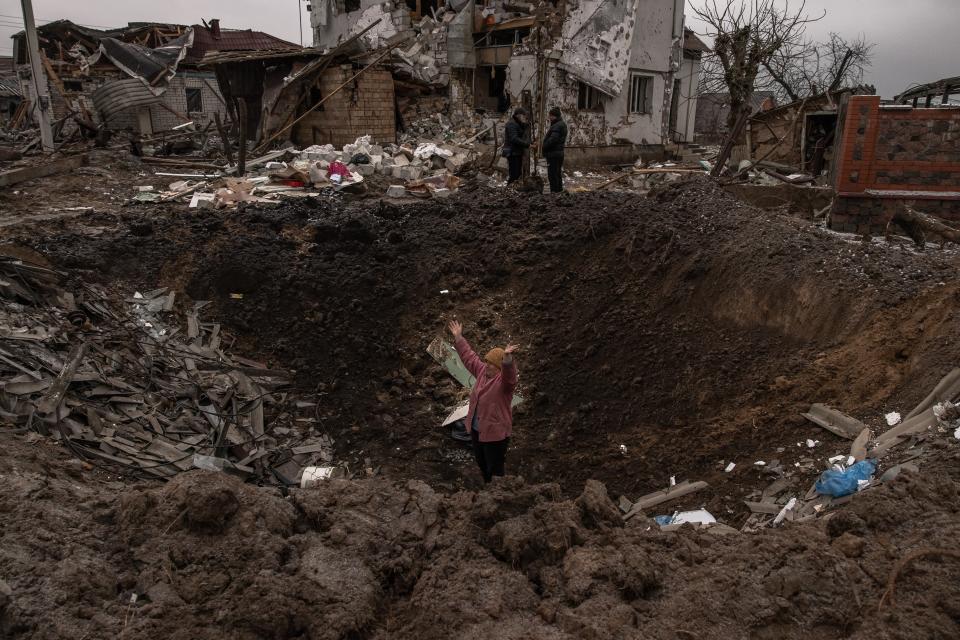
(509, 373)
(470, 359)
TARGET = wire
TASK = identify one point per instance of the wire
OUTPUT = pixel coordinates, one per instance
(46, 21)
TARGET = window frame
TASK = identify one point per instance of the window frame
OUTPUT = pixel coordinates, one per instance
(589, 98)
(199, 98)
(646, 82)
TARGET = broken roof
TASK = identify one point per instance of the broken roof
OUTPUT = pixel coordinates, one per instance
(931, 88)
(206, 42)
(153, 35)
(691, 42)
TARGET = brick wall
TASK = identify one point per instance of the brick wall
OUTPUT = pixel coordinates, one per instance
(363, 107)
(892, 154)
(161, 119)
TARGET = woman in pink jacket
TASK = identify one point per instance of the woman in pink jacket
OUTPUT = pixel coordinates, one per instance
(490, 418)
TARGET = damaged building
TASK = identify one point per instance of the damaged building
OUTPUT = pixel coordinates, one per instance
(144, 77)
(625, 73)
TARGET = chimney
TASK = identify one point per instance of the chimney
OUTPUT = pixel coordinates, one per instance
(215, 28)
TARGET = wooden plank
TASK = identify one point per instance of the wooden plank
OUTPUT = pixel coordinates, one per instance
(835, 421)
(15, 176)
(665, 495)
(310, 448)
(769, 508)
(54, 397)
(253, 393)
(53, 75)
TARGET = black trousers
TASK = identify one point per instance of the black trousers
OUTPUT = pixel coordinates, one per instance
(515, 167)
(555, 174)
(490, 455)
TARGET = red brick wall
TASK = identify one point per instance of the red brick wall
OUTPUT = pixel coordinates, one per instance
(898, 148)
(364, 107)
(885, 150)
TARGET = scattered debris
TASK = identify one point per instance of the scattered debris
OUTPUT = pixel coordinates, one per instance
(834, 421)
(838, 482)
(123, 387)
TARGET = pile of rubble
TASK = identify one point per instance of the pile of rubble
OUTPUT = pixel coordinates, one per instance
(425, 170)
(126, 387)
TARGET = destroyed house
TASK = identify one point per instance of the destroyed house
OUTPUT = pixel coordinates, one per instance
(944, 92)
(624, 72)
(144, 77)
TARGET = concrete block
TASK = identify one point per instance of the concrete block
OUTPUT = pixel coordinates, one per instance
(411, 173)
(366, 169)
(396, 191)
(443, 194)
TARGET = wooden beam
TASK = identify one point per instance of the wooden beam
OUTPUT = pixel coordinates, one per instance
(57, 83)
(174, 112)
(14, 176)
(665, 495)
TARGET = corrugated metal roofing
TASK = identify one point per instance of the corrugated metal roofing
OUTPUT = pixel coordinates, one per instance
(10, 86)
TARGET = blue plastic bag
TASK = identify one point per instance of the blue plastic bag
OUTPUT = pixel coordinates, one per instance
(843, 483)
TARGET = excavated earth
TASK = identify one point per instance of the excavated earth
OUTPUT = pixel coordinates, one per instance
(685, 326)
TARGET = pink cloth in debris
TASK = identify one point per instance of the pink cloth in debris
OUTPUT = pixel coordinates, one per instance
(336, 168)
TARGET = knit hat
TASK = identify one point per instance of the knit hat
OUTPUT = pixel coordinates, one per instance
(520, 111)
(495, 357)
(555, 111)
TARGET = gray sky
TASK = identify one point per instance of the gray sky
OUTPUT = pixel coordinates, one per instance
(916, 39)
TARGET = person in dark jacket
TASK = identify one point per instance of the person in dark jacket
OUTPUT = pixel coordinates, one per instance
(517, 142)
(553, 144)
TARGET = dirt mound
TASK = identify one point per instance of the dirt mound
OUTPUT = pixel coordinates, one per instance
(82, 557)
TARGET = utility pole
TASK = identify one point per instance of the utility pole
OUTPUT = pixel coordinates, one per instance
(300, 16)
(38, 77)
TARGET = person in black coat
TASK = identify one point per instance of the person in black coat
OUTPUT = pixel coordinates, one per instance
(553, 144)
(517, 142)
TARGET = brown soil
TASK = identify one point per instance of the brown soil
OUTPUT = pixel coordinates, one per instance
(206, 556)
(687, 326)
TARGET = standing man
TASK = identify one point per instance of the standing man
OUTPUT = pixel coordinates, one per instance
(517, 142)
(553, 144)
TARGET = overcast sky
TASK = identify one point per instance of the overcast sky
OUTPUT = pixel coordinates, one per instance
(916, 39)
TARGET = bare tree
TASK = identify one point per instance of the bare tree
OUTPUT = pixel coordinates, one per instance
(747, 35)
(811, 68)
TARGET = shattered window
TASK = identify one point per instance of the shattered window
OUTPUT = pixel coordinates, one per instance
(194, 100)
(587, 97)
(641, 94)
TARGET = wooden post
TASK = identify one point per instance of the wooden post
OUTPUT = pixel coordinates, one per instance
(242, 151)
(731, 141)
(224, 138)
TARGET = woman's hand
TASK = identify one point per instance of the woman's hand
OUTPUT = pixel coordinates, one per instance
(510, 348)
(456, 329)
